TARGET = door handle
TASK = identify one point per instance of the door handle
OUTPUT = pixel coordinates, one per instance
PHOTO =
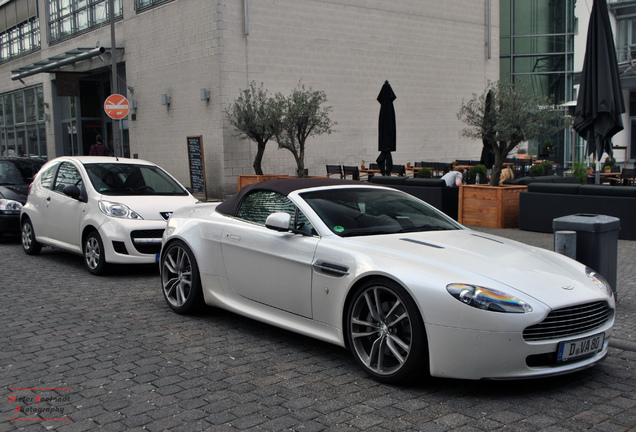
(234, 237)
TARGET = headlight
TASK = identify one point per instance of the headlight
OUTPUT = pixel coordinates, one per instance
(117, 210)
(599, 281)
(10, 206)
(488, 299)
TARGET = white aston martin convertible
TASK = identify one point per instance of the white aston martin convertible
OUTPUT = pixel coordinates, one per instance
(407, 289)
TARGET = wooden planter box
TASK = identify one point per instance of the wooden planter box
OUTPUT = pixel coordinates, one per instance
(489, 206)
(244, 180)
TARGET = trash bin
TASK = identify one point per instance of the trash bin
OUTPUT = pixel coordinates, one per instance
(596, 242)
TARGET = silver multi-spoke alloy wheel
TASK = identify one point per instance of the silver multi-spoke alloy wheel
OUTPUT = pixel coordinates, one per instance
(180, 278)
(93, 253)
(385, 332)
(29, 244)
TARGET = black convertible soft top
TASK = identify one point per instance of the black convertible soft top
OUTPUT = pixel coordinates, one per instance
(282, 186)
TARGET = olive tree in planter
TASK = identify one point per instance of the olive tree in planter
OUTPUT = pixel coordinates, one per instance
(514, 116)
(257, 117)
(302, 117)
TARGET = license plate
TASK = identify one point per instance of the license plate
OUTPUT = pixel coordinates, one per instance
(580, 347)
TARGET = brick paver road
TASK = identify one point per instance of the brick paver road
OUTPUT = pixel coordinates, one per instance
(106, 353)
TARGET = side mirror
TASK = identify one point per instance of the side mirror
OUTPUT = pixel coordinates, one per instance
(278, 222)
(74, 192)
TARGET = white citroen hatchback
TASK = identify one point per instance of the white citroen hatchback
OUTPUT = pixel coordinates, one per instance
(108, 209)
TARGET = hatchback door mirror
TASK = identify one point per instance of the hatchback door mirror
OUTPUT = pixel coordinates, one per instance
(74, 192)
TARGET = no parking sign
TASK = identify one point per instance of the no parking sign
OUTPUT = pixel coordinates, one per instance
(116, 106)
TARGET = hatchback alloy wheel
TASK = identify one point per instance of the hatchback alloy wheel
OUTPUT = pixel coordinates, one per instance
(94, 257)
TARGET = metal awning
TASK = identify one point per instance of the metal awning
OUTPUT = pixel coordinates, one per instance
(53, 64)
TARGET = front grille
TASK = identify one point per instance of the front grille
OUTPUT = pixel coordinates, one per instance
(147, 241)
(570, 321)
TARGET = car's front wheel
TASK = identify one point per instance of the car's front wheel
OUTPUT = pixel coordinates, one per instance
(30, 245)
(180, 278)
(385, 332)
(94, 255)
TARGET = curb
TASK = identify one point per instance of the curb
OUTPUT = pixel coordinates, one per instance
(622, 344)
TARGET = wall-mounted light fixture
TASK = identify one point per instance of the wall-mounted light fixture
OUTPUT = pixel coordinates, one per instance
(47, 117)
(133, 104)
(165, 99)
(205, 95)
(46, 104)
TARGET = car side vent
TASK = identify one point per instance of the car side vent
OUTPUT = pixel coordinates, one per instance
(331, 269)
(570, 321)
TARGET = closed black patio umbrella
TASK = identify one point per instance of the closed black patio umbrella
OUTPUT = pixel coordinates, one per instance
(488, 139)
(600, 102)
(386, 129)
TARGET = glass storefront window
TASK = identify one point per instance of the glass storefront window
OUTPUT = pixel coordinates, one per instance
(22, 130)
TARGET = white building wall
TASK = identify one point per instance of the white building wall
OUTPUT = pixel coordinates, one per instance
(434, 54)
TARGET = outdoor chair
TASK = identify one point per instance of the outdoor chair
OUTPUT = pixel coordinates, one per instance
(627, 176)
(352, 171)
(400, 170)
(334, 169)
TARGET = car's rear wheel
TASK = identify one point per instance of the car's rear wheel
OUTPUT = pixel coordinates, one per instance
(180, 278)
(385, 332)
(30, 245)
(94, 256)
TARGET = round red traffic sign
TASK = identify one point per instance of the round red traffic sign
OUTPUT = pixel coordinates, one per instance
(116, 106)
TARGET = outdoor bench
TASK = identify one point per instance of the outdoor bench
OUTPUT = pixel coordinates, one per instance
(543, 202)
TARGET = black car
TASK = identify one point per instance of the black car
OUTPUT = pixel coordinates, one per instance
(16, 174)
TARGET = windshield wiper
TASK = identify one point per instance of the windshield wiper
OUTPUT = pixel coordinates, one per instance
(423, 228)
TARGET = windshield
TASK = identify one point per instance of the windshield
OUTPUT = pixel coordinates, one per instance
(131, 179)
(364, 211)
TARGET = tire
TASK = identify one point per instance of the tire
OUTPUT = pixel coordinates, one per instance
(180, 278)
(385, 332)
(94, 254)
(29, 244)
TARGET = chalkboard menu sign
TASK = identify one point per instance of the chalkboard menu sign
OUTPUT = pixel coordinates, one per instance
(197, 165)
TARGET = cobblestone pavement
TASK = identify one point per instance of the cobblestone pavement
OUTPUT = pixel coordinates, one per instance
(107, 353)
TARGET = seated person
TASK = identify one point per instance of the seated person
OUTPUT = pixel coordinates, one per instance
(454, 178)
(506, 175)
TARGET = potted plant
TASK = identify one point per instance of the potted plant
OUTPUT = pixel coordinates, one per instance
(362, 164)
(549, 147)
(478, 170)
(536, 170)
(607, 168)
(610, 162)
(425, 173)
(408, 164)
(579, 171)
